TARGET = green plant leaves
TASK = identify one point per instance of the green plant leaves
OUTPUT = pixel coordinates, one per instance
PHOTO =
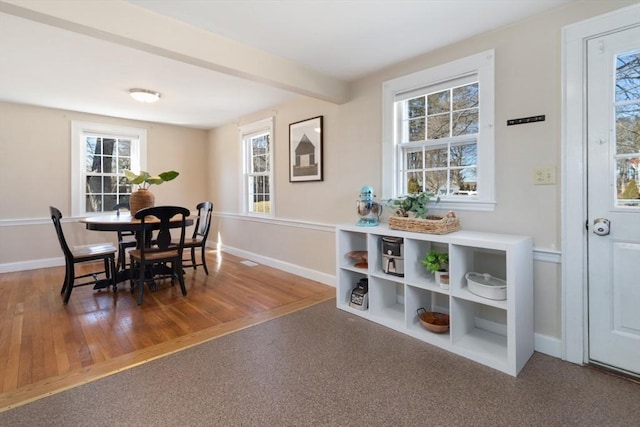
(144, 179)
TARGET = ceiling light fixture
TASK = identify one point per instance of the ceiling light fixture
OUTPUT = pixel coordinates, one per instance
(144, 95)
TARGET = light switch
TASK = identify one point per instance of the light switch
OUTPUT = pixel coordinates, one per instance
(544, 175)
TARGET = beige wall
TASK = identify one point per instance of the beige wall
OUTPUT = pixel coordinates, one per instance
(35, 172)
(528, 82)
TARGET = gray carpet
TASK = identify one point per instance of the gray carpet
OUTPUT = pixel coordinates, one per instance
(322, 366)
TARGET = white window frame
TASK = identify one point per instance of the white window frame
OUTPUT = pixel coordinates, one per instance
(78, 156)
(245, 132)
(481, 65)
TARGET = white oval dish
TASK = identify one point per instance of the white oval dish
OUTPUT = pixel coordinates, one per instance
(486, 286)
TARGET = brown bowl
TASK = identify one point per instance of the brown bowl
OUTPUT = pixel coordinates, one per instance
(435, 322)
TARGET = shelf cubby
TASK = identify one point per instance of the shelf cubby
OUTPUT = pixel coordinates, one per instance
(416, 298)
(386, 301)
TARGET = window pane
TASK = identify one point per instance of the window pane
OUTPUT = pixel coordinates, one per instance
(464, 155)
(413, 160)
(628, 77)
(124, 148)
(416, 107)
(123, 185)
(94, 185)
(414, 183)
(438, 126)
(110, 184)
(109, 164)
(93, 158)
(108, 146)
(436, 182)
(110, 202)
(259, 194)
(416, 130)
(465, 97)
(436, 157)
(93, 203)
(465, 122)
(627, 179)
(463, 181)
(259, 164)
(123, 163)
(438, 102)
(628, 129)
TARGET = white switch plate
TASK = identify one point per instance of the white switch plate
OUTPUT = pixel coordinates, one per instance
(544, 175)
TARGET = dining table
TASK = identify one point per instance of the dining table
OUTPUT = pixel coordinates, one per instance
(125, 222)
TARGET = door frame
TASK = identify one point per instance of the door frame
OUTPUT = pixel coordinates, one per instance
(575, 333)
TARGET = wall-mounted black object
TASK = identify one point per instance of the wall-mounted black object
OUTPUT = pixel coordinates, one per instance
(523, 120)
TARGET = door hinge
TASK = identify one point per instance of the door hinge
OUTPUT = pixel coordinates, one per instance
(586, 225)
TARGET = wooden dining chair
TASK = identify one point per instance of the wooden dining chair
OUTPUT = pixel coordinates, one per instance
(81, 255)
(126, 239)
(199, 238)
(146, 261)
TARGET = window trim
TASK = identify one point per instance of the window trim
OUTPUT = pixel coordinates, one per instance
(482, 65)
(245, 131)
(78, 158)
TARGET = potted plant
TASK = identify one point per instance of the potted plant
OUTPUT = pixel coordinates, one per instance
(437, 263)
(143, 198)
(414, 204)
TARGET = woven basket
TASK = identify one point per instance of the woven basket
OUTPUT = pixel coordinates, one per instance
(431, 225)
(141, 199)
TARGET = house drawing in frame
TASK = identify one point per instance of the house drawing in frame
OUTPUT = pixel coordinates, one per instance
(305, 150)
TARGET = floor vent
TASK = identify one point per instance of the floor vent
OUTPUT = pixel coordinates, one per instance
(248, 263)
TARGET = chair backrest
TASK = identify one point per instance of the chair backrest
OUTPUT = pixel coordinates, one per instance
(203, 222)
(163, 214)
(56, 217)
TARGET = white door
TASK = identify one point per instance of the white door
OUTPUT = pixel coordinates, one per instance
(613, 132)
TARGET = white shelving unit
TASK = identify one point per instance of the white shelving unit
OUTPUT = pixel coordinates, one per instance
(499, 334)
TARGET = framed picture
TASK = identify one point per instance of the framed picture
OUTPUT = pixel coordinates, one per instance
(305, 150)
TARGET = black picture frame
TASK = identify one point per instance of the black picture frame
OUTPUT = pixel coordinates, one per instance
(305, 150)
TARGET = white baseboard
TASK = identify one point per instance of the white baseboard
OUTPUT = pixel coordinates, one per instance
(548, 345)
(10, 267)
(327, 279)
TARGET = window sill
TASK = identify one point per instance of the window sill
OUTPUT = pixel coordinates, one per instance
(464, 205)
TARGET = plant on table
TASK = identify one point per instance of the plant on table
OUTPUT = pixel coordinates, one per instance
(144, 179)
(143, 198)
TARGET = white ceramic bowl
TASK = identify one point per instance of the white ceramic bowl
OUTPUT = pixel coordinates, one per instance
(486, 286)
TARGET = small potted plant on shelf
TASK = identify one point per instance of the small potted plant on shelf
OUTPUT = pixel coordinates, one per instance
(438, 263)
(143, 198)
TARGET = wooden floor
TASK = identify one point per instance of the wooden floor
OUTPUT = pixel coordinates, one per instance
(47, 347)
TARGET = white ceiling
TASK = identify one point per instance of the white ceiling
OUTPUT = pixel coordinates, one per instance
(55, 66)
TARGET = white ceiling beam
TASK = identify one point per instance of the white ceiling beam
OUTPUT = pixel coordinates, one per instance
(126, 24)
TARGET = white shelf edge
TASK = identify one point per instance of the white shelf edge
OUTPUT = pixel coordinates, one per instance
(464, 294)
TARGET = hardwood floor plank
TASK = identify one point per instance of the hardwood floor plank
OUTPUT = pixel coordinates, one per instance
(49, 347)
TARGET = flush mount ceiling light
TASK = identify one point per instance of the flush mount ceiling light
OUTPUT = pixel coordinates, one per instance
(144, 95)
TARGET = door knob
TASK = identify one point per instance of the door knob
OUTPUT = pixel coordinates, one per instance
(601, 226)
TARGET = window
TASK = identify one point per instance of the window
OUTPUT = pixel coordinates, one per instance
(627, 129)
(100, 154)
(438, 133)
(257, 156)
